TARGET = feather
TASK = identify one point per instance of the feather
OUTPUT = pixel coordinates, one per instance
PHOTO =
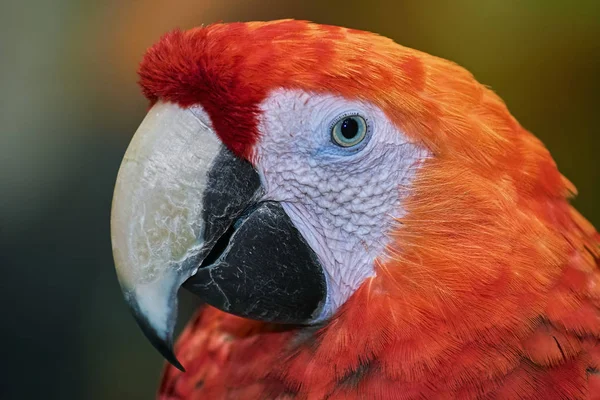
(490, 287)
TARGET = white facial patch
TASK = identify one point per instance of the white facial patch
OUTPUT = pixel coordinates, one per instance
(344, 201)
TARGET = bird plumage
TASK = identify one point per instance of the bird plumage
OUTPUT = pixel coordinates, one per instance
(490, 286)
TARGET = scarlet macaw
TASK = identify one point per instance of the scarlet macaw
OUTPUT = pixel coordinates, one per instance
(366, 221)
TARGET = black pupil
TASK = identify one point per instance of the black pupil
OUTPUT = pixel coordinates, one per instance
(349, 128)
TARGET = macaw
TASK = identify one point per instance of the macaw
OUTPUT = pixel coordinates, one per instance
(362, 220)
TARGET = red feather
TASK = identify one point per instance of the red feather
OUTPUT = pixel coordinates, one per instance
(491, 285)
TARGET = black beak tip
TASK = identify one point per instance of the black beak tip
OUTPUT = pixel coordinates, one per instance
(164, 345)
(162, 341)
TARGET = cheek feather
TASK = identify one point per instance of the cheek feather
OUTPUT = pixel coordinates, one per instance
(343, 202)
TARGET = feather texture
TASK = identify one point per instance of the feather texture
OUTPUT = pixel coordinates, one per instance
(491, 286)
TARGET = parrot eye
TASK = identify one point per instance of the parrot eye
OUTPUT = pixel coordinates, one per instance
(349, 130)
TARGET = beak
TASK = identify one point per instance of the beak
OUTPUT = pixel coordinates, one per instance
(186, 211)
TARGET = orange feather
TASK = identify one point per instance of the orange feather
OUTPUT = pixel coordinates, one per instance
(491, 285)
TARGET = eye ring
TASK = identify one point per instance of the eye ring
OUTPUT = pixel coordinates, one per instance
(349, 130)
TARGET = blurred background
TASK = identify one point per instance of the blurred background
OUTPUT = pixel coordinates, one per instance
(69, 104)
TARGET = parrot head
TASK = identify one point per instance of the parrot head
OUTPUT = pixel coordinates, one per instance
(286, 169)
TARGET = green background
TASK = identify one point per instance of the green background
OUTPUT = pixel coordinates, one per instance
(69, 104)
